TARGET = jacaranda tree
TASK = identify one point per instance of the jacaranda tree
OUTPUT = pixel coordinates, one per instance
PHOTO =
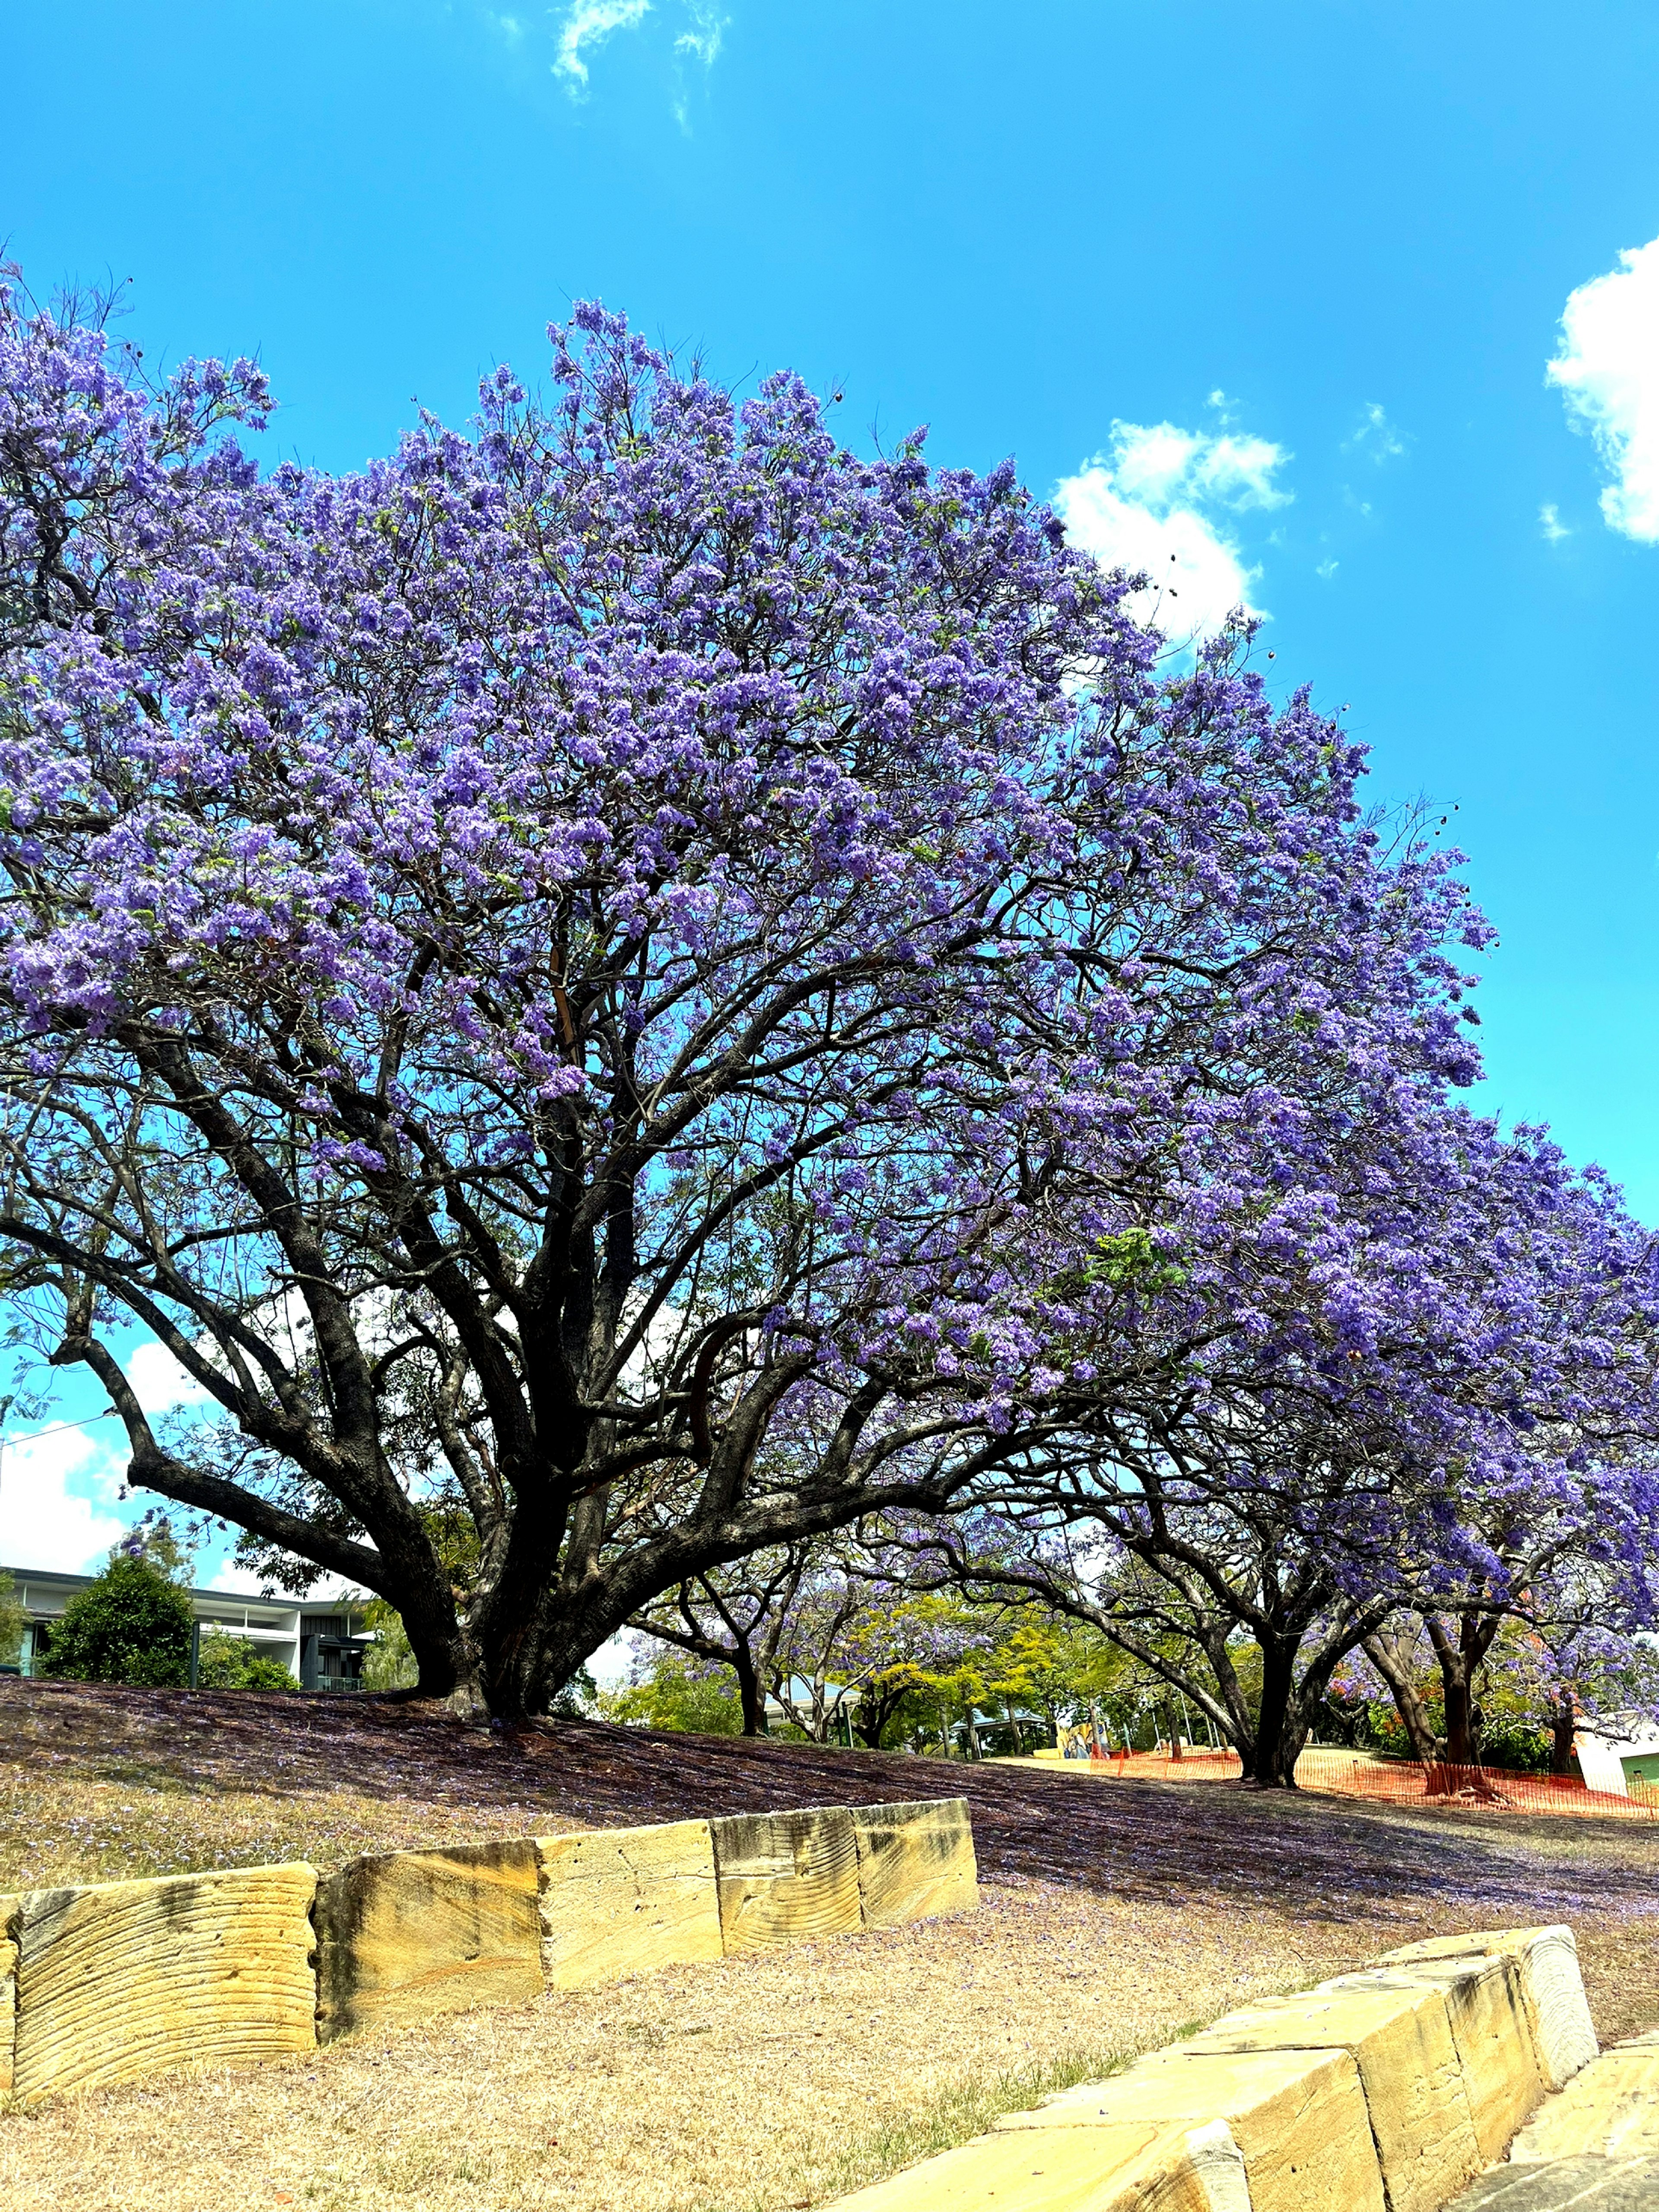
(1420, 1379)
(563, 976)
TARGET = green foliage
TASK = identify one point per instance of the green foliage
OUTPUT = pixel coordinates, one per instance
(11, 1621)
(1130, 1260)
(389, 1663)
(129, 1624)
(674, 1693)
(1059, 1667)
(154, 1542)
(579, 1697)
(1524, 1747)
(234, 1662)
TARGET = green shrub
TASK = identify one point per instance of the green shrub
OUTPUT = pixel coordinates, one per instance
(11, 1621)
(677, 1692)
(1515, 1744)
(129, 1624)
(233, 1662)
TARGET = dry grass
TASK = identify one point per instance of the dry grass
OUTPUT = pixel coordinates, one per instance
(126, 1819)
(1116, 1914)
(98, 1785)
(738, 2088)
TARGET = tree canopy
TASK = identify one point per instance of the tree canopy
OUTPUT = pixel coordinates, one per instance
(629, 988)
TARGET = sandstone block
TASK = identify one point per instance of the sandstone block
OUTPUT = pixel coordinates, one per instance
(10, 1907)
(407, 1935)
(1104, 2169)
(915, 1862)
(1298, 2117)
(626, 1901)
(1610, 2109)
(1547, 1959)
(785, 1877)
(1491, 2030)
(1409, 2069)
(118, 1980)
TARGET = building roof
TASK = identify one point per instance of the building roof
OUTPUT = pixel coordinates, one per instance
(209, 1605)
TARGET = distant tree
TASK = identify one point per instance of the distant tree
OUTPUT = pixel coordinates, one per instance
(129, 1624)
(732, 1617)
(11, 1621)
(388, 1664)
(233, 1662)
(831, 1639)
(672, 1689)
(1061, 1667)
(1362, 1455)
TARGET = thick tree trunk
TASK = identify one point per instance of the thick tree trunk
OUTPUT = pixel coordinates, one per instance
(1387, 1656)
(1564, 1720)
(1285, 1721)
(1281, 1726)
(1463, 1747)
(749, 1691)
(1460, 1658)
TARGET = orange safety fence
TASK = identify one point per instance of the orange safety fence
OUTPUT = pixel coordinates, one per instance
(1488, 1788)
(1398, 1781)
(1193, 1765)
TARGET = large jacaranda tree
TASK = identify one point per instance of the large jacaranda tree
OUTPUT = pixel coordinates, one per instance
(1419, 1376)
(563, 976)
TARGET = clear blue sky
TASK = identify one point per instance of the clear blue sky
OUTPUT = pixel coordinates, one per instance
(1023, 225)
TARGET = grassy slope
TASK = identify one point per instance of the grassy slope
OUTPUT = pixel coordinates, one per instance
(1113, 1914)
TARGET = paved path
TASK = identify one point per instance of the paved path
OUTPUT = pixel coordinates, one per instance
(1593, 2148)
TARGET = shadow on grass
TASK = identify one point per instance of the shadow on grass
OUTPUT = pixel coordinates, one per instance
(1310, 1857)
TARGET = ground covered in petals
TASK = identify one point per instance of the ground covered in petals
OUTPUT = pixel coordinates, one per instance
(1115, 1915)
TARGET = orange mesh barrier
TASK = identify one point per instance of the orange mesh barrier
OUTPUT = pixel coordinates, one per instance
(1158, 1766)
(1400, 1781)
(1490, 1788)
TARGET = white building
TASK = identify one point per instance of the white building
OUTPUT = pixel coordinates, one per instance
(1617, 1752)
(319, 1641)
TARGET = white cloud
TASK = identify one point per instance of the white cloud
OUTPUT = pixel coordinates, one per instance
(160, 1383)
(590, 22)
(236, 1582)
(46, 1524)
(1151, 504)
(1376, 436)
(1550, 522)
(703, 41)
(1608, 369)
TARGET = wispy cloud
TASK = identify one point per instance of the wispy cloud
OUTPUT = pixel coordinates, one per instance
(1607, 370)
(590, 23)
(702, 42)
(1159, 500)
(1550, 522)
(1376, 437)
